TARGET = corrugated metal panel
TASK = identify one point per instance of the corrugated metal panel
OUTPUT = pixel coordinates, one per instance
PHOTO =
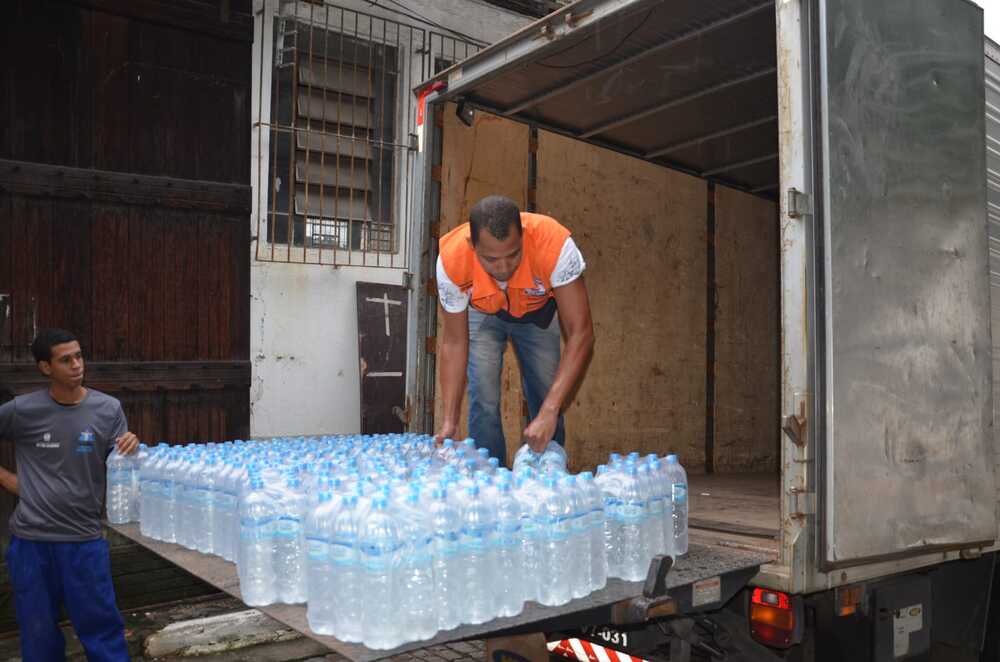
(993, 215)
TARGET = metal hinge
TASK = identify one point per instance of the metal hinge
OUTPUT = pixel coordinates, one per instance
(795, 426)
(803, 502)
(799, 204)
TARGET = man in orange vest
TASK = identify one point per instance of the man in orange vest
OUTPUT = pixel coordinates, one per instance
(518, 276)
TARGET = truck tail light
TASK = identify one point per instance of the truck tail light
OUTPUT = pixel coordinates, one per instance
(772, 618)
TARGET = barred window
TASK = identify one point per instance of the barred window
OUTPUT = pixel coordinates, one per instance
(336, 128)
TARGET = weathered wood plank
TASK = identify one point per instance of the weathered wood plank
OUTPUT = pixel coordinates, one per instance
(232, 23)
(139, 375)
(58, 181)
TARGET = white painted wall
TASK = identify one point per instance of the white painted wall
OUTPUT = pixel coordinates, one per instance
(303, 337)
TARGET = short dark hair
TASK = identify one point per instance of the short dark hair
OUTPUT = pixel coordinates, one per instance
(496, 214)
(41, 346)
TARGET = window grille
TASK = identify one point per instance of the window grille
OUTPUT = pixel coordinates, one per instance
(335, 144)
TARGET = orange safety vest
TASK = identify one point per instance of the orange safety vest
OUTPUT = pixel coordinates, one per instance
(529, 289)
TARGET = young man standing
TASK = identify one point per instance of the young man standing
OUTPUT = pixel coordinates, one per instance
(507, 275)
(57, 556)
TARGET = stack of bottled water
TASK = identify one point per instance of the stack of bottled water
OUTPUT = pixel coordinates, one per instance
(390, 538)
(645, 502)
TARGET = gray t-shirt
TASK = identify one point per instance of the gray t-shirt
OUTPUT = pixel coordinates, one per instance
(61, 452)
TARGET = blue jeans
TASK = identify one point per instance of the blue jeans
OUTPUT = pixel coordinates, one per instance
(537, 353)
(46, 575)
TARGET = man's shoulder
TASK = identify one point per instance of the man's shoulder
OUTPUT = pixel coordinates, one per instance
(33, 400)
(456, 237)
(102, 400)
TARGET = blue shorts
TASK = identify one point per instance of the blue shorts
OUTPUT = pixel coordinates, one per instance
(46, 575)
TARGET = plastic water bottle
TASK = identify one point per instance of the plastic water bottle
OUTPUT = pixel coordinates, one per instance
(595, 530)
(554, 527)
(417, 570)
(135, 504)
(475, 563)
(380, 546)
(446, 526)
(256, 567)
(147, 506)
(346, 595)
(184, 487)
(663, 488)
(321, 587)
(579, 544)
(632, 515)
(607, 481)
(156, 502)
(207, 488)
(653, 529)
(509, 552)
(529, 496)
(289, 543)
(237, 480)
(119, 488)
(551, 460)
(170, 505)
(679, 501)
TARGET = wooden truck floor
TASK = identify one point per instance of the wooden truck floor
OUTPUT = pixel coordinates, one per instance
(736, 510)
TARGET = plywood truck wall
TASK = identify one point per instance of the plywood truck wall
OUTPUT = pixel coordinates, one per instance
(747, 334)
(643, 231)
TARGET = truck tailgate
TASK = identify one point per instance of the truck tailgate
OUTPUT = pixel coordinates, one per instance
(703, 562)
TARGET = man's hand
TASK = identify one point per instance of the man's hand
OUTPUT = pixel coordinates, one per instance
(448, 430)
(127, 444)
(8, 481)
(540, 431)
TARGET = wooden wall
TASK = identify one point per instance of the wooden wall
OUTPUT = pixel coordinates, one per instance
(641, 229)
(124, 204)
(645, 234)
(489, 158)
(124, 215)
(747, 333)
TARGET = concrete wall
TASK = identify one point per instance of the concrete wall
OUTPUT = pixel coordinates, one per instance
(303, 336)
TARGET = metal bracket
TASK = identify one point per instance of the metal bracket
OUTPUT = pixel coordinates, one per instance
(799, 204)
(654, 602)
(795, 426)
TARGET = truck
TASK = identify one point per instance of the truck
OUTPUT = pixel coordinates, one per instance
(864, 124)
(790, 212)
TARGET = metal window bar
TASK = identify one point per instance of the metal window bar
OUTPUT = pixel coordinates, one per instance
(333, 157)
(444, 50)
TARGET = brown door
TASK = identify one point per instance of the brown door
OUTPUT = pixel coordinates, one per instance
(382, 350)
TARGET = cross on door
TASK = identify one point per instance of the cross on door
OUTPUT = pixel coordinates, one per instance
(386, 302)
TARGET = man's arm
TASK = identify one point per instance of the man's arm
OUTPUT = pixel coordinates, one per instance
(454, 358)
(8, 432)
(8, 481)
(578, 330)
(126, 442)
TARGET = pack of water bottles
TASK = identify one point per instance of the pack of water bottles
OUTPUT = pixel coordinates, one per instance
(391, 538)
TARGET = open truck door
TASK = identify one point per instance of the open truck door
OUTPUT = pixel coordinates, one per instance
(902, 367)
